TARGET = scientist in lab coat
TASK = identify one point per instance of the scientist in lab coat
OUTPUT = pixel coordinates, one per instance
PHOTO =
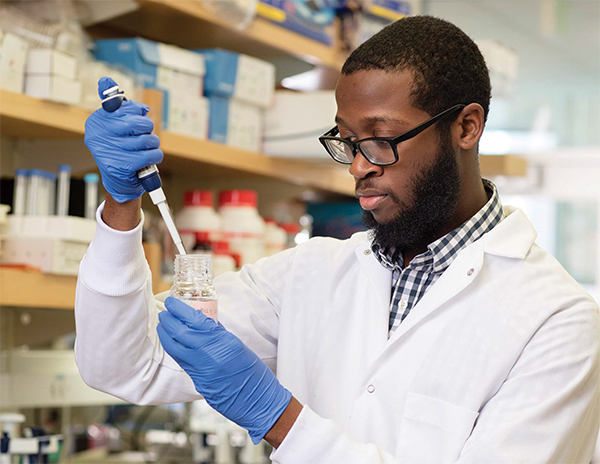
(442, 335)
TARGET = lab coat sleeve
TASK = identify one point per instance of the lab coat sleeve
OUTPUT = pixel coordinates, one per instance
(546, 411)
(117, 348)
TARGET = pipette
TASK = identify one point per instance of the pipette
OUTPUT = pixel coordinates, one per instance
(149, 176)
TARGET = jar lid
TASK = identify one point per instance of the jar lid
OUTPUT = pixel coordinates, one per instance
(270, 221)
(238, 198)
(290, 227)
(198, 198)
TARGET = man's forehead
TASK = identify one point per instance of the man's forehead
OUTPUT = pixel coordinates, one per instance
(371, 120)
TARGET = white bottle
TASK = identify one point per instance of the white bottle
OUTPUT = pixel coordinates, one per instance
(275, 238)
(193, 283)
(241, 224)
(197, 217)
(223, 260)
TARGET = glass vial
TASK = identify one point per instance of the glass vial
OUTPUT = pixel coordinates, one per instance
(193, 283)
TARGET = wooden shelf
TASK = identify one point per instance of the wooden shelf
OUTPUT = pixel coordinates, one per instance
(23, 116)
(502, 165)
(32, 289)
(189, 24)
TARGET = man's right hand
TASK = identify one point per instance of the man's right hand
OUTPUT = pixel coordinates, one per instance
(122, 143)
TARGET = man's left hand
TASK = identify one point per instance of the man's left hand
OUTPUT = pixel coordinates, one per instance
(231, 377)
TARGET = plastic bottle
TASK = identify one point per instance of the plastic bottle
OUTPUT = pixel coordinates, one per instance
(223, 260)
(291, 229)
(193, 283)
(197, 218)
(64, 186)
(242, 226)
(275, 237)
(91, 194)
(20, 191)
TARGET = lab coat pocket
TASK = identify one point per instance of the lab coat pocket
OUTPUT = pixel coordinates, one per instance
(433, 430)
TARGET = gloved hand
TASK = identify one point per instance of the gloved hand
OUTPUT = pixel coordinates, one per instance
(121, 143)
(230, 376)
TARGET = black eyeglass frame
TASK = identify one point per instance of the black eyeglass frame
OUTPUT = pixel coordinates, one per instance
(409, 134)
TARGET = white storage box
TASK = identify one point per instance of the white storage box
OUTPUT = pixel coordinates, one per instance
(70, 228)
(242, 77)
(47, 61)
(13, 58)
(236, 123)
(50, 255)
(186, 114)
(295, 122)
(55, 88)
(158, 65)
(40, 378)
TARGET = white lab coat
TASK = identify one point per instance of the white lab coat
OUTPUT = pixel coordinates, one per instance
(498, 362)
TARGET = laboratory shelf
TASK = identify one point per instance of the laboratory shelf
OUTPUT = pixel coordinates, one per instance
(32, 289)
(189, 24)
(24, 116)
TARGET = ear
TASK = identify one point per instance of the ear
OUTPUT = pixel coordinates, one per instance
(468, 127)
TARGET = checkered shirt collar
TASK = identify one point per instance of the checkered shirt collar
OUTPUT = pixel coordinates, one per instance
(441, 253)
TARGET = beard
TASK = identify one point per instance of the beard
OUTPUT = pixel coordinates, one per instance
(436, 193)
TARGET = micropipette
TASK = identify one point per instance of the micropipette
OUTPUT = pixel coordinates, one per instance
(149, 176)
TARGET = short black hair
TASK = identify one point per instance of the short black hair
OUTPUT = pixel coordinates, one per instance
(448, 66)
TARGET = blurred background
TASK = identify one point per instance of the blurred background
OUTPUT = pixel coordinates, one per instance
(239, 91)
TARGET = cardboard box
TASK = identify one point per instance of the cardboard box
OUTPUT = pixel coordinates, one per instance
(13, 58)
(306, 17)
(236, 123)
(47, 61)
(158, 65)
(233, 75)
(50, 255)
(55, 88)
(295, 122)
(186, 114)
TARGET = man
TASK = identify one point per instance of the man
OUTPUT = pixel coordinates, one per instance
(445, 334)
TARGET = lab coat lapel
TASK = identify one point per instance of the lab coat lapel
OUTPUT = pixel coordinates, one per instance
(380, 280)
(455, 279)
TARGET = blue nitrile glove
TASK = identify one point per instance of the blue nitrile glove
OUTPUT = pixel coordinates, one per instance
(230, 376)
(121, 143)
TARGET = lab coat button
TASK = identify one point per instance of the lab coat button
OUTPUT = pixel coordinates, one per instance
(367, 252)
(371, 388)
(470, 271)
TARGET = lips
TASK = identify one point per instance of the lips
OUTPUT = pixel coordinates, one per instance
(370, 199)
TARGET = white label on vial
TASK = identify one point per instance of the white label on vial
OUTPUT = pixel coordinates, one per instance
(208, 307)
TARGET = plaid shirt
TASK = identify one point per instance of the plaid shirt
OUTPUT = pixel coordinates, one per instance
(410, 284)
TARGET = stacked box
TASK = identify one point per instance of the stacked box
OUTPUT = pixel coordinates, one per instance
(239, 88)
(52, 75)
(13, 59)
(177, 72)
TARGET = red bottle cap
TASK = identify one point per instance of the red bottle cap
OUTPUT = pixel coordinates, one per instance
(198, 198)
(238, 198)
(290, 227)
(220, 247)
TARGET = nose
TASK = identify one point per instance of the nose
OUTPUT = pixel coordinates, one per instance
(361, 167)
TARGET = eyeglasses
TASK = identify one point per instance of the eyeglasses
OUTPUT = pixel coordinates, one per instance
(381, 151)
